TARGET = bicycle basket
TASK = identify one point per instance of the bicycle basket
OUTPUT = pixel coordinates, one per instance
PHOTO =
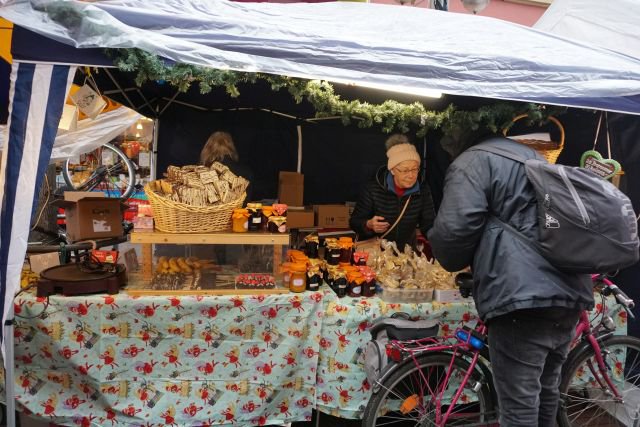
(175, 217)
(549, 149)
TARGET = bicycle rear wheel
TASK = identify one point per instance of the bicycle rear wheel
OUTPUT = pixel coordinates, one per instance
(105, 169)
(583, 402)
(408, 397)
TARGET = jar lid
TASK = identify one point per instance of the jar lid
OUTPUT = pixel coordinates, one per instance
(254, 205)
(277, 220)
(279, 208)
(298, 267)
(267, 210)
(346, 239)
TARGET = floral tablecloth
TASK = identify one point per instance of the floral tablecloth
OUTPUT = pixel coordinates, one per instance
(188, 361)
(198, 361)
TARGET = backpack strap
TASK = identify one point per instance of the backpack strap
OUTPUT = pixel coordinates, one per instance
(499, 151)
(504, 153)
(516, 233)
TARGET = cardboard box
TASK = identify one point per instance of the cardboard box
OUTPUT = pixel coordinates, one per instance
(291, 188)
(90, 215)
(300, 218)
(332, 216)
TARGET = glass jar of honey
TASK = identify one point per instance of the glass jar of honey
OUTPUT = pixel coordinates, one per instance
(240, 220)
(298, 280)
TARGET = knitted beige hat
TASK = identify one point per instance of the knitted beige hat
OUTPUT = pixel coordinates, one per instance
(401, 152)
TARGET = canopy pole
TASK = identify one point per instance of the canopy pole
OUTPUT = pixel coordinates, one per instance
(9, 377)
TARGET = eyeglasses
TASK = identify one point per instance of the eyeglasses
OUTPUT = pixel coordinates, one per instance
(407, 171)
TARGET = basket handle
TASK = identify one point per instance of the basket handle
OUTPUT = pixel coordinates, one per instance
(550, 118)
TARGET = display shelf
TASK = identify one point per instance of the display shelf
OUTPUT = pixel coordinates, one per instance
(137, 286)
(146, 240)
(218, 238)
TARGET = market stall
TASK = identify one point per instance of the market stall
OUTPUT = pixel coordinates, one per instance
(305, 343)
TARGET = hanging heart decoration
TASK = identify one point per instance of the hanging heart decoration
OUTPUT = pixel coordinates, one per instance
(604, 168)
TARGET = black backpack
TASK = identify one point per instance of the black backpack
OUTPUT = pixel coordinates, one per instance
(586, 225)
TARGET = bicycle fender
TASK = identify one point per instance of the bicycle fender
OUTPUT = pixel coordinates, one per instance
(583, 346)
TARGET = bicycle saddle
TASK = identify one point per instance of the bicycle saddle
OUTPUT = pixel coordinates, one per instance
(464, 282)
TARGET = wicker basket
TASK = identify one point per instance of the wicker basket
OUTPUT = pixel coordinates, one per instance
(549, 149)
(175, 217)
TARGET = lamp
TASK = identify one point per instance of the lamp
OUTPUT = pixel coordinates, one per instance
(475, 6)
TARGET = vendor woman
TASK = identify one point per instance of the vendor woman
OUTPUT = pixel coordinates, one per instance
(394, 193)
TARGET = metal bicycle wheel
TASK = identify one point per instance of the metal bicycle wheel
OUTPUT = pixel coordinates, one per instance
(105, 169)
(407, 398)
(583, 402)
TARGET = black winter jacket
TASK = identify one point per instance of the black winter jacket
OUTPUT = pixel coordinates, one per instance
(379, 198)
(508, 274)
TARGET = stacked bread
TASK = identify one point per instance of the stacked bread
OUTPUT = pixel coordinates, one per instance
(200, 185)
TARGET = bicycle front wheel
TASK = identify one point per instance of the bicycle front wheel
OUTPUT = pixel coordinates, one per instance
(585, 401)
(105, 169)
(413, 395)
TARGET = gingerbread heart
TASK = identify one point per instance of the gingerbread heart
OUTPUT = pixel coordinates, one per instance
(604, 168)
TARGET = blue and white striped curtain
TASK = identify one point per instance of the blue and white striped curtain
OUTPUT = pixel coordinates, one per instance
(37, 96)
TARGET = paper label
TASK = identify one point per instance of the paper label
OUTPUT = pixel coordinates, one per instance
(144, 159)
(356, 290)
(256, 220)
(298, 282)
(101, 226)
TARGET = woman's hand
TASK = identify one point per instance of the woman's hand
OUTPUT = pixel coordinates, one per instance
(378, 224)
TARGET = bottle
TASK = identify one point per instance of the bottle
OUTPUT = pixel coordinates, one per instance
(475, 342)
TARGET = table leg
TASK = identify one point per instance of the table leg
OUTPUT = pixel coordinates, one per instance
(147, 262)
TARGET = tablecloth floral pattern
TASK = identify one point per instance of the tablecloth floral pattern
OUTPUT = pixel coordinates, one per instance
(198, 361)
(175, 361)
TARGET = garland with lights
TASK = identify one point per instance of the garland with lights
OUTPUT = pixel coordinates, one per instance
(390, 115)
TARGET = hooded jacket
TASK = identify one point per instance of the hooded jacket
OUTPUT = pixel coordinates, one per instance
(379, 198)
(508, 274)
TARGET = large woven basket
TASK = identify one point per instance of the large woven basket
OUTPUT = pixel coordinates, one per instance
(175, 217)
(549, 149)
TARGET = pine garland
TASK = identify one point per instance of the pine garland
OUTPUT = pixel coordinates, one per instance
(390, 116)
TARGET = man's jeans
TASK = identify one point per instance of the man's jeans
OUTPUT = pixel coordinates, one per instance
(527, 350)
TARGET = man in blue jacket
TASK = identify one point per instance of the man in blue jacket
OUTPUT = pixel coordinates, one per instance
(531, 308)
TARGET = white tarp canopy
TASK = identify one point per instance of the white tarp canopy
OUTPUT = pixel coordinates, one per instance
(407, 47)
(614, 25)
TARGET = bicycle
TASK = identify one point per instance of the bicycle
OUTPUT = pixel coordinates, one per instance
(446, 380)
(102, 170)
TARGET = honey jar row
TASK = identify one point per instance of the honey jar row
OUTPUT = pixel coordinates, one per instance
(303, 273)
(258, 218)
